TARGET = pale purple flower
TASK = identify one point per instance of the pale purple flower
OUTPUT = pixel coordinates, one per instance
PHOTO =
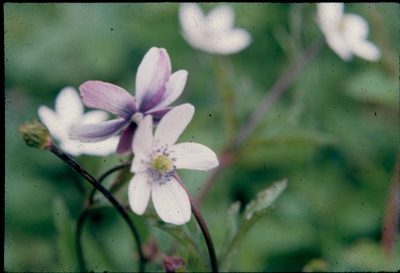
(346, 34)
(156, 88)
(155, 161)
(69, 114)
(214, 32)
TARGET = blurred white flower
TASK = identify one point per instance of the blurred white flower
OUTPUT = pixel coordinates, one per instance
(155, 161)
(212, 33)
(346, 33)
(68, 114)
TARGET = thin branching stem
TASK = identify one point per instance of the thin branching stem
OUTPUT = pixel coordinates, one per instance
(104, 175)
(88, 177)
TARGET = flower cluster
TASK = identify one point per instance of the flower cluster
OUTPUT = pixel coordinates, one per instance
(155, 158)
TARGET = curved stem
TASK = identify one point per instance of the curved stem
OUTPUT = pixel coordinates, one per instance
(79, 227)
(203, 226)
(88, 177)
(104, 175)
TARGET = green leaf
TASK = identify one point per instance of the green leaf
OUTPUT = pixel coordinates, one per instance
(374, 86)
(254, 211)
(66, 236)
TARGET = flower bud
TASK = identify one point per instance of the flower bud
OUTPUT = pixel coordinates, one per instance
(36, 135)
(173, 264)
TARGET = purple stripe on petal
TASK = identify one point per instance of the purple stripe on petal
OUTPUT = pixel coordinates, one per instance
(98, 131)
(153, 73)
(108, 97)
(125, 142)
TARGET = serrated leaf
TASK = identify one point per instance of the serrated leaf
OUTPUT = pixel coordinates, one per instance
(254, 211)
(264, 199)
(66, 236)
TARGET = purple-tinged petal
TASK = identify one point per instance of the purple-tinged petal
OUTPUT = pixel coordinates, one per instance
(193, 156)
(158, 114)
(152, 75)
(108, 97)
(172, 124)
(171, 202)
(98, 131)
(173, 88)
(142, 144)
(139, 190)
(125, 141)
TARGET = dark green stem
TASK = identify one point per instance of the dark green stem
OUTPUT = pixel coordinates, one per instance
(107, 173)
(79, 227)
(203, 226)
(67, 159)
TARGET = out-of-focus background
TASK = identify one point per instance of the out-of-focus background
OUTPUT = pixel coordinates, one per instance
(334, 134)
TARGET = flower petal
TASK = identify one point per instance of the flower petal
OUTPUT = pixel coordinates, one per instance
(329, 16)
(94, 116)
(339, 45)
(173, 88)
(98, 131)
(367, 50)
(50, 119)
(125, 141)
(139, 190)
(172, 124)
(230, 42)
(152, 75)
(220, 18)
(108, 97)
(192, 21)
(101, 148)
(171, 202)
(68, 105)
(142, 144)
(158, 114)
(193, 156)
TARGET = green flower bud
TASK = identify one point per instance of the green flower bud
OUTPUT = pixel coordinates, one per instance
(36, 135)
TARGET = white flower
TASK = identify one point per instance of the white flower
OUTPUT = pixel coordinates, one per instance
(68, 114)
(346, 33)
(213, 33)
(155, 161)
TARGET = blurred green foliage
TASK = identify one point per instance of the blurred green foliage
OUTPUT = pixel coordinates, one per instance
(334, 135)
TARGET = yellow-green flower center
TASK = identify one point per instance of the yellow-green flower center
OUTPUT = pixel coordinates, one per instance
(162, 163)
